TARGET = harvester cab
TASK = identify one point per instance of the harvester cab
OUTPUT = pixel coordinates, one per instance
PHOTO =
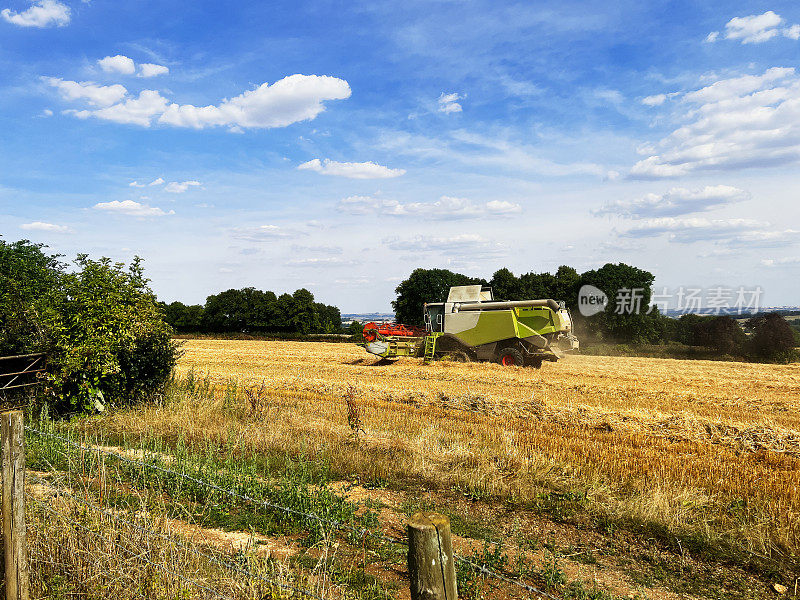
(472, 325)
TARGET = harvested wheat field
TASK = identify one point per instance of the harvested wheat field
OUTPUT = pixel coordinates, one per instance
(672, 440)
(702, 454)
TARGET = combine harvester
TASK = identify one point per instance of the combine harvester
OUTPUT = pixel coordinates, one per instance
(472, 326)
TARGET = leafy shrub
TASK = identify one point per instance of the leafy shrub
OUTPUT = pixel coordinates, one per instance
(101, 326)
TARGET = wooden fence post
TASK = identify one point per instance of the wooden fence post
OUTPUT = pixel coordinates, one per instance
(17, 578)
(431, 570)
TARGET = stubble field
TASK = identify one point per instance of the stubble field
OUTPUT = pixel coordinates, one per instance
(698, 446)
(700, 457)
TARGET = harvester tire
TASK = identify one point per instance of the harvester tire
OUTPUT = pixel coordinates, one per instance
(458, 356)
(510, 357)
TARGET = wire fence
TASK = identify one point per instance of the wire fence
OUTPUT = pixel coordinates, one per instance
(133, 522)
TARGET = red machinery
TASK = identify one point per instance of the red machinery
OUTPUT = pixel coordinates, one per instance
(371, 330)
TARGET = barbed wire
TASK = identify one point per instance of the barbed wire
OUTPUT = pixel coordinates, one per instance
(332, 522)
(362, 531)
(492, 573)
(173, 540)
(137, 556)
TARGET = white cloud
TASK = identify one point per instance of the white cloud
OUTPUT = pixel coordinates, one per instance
(656, 100)
(290, 100)
(317, 249)
(261, 233)
(626, 246)
(734, 123)
(781, 262)
(755, 29)
(447, 207)
(730, 90)
(132, 208)
(96, 95)
(448, 103)
(677, 201)
(126, 66)
(477, 150)
(49, 227)
(330, 261)
(151, 70)
(474, 245)
(735, 232)
(43, 13)
(117, 64)
(179, 187)
(502, 207)
(362, 170)
(134, 111)
(157, 181)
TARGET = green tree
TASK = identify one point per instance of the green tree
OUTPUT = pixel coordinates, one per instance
(772, 338)
(626, 318)
(505, 285)
(721, 333)
(284, 309)
(183, 318)
(356, 329)
(305, 318)
(329, 317)
(425, 285)
(690, 329)
(566, 285)
(30, 286)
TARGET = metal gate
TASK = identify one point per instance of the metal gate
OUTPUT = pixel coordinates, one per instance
(20, 371)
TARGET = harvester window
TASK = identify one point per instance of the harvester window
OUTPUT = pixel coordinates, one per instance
(434, 318)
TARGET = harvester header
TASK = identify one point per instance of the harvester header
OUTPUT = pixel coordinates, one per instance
(472, 325)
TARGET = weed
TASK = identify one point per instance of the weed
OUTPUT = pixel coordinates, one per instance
(353, 412)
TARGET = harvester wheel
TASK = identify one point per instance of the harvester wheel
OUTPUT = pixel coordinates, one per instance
(458, 356)
(510, 357)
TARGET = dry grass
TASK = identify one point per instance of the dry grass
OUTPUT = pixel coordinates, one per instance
(703, 449)
(78, 551)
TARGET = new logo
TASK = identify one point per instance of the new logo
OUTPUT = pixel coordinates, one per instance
(591, 300)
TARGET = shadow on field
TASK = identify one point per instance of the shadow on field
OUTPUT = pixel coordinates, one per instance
(367, 362)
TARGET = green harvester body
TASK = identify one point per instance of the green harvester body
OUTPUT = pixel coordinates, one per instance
(472, 326)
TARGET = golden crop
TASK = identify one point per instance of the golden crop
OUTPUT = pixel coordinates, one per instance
(700, 447)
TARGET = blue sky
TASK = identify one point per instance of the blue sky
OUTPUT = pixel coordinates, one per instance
(337, 147)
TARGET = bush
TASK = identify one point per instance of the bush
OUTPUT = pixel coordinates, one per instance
(356, 329)
(772, 338)
(722, 334)
(101, 326)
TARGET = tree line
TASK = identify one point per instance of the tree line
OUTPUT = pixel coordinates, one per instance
(762, 337)
(250, 310)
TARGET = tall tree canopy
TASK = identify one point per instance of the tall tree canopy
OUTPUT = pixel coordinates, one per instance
(425, 285)
(432, 285)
